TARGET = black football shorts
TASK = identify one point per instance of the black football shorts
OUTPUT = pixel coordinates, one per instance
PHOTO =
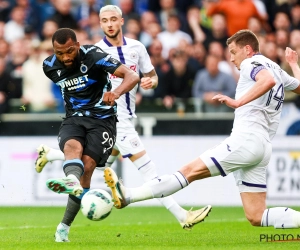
(97, 136)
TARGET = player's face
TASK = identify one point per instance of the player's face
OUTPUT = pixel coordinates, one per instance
(111, 23)
(67, 53)
(237, 54)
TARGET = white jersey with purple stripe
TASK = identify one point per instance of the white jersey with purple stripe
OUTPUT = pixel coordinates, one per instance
(262, 115)
(134, 55)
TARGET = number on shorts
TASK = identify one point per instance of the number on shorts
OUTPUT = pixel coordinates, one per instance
(278, 96)
(108, 140)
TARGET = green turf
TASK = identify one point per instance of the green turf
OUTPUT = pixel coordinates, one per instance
(134, 228)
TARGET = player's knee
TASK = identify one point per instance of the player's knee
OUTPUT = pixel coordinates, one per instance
(254, 219)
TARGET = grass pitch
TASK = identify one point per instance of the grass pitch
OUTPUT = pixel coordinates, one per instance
(136, 228)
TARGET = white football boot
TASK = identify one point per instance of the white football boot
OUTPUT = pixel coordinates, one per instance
(42, 160)
(195, 217)
(117, 188)
(61, 234)
(65, 185)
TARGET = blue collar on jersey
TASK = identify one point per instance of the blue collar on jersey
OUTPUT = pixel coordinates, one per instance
(256, 54)
(110, 45)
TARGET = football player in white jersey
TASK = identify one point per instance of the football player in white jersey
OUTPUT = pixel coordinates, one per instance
(133, 54)
(247, 151)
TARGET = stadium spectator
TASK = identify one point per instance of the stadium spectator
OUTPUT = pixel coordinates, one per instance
(295, 39)
(18, 54)
(151, 34)
(31, 19)
(161, 67)
(218, 31)
(127, 7)
(37, 92)
(270, 50)
(282, 21)
(167, 8)
(255, 25)
(148, 23)
(216, 48)
(193, 19)
(236, 12)
(45, 10)
(209, 82)
(133, 27)
(48, 29)
(247, 151)
(93, 30)
(63, 14)
(171, 37)
(282, 41)
(5, 87)
(84, 10)
(295, 15)
(2, 25)
(178, 81)
(15, 28)
(5, 8)
(4, 49)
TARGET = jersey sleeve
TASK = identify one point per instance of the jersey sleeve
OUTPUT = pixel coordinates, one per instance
(108, 64)
(290, 83)
(145, 64)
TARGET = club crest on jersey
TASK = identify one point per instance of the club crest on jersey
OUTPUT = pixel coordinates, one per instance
(134, 142)
(83, 68)
(133, 54)
(58, 72)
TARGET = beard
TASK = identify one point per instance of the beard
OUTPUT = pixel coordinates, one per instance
(114, 35)
(75, 62)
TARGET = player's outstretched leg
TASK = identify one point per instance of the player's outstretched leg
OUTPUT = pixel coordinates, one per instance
(117, 188)
(42, 160)
(66, 185)
(45, 155)
(185, 218)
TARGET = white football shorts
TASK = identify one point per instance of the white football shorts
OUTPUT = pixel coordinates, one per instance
(128, 141)
(246, 155)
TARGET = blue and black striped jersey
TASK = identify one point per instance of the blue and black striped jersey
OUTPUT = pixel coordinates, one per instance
(83, 86)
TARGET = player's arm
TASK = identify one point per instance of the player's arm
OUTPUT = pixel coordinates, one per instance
(291, 57)
(264, 82)
(149, 80)
(130, 79)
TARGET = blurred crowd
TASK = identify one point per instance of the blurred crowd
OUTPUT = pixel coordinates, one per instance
(186, 41)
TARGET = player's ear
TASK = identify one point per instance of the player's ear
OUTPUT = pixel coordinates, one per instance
(122, 21)
(248, 49)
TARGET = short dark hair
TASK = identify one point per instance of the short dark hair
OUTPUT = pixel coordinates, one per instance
(63, 35)
(243, 38)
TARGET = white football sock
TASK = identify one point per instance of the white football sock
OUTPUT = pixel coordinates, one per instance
(160, 187)
(73, 177)
(148, 171)
(146, 167)
(111, 159)
(55, 154)
(281, 217)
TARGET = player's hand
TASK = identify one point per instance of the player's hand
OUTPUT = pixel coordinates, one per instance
(146, 83)
(226, 100)
(291, 56)
(109, 98)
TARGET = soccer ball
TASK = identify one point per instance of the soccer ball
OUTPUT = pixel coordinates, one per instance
(96, 204)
